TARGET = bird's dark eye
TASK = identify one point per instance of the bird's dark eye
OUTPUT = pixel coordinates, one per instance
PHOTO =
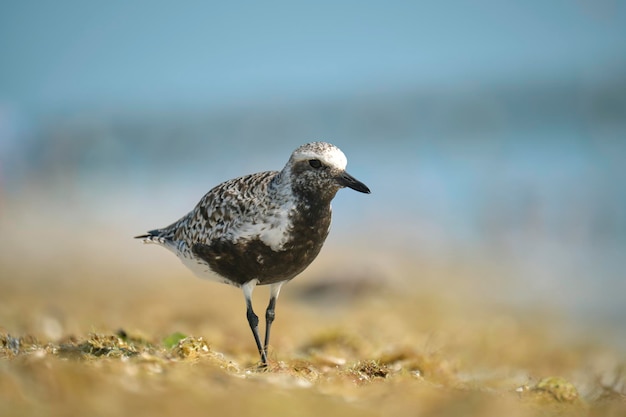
(315, 163)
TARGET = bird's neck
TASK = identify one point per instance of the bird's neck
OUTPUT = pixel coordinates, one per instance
(311, 203)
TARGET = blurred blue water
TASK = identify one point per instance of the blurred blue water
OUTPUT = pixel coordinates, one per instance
(499, 168)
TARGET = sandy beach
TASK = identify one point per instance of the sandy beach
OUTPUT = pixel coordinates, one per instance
(108, 326)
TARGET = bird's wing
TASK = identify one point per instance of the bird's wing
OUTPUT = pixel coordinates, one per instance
(224, 209)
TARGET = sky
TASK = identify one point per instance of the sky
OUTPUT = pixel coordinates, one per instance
(72, 53)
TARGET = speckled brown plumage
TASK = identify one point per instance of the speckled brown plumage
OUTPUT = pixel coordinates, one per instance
(262, 228)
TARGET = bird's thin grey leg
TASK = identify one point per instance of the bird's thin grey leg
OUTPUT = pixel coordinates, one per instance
(253, 319)
(270, 313)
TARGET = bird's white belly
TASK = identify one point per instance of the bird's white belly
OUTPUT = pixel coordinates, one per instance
(202, 269)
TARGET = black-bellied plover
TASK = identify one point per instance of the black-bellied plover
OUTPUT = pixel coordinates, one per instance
(262, 229)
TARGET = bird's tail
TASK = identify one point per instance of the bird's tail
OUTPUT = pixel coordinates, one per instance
(153, 236)
(166, 236)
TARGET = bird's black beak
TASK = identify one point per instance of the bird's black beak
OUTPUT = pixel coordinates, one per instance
(346, 180)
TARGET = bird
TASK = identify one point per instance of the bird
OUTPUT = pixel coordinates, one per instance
(263, 228)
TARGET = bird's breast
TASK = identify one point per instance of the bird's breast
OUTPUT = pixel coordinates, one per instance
(273, 251)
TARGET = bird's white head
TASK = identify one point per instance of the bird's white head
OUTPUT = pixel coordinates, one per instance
(328, 154)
